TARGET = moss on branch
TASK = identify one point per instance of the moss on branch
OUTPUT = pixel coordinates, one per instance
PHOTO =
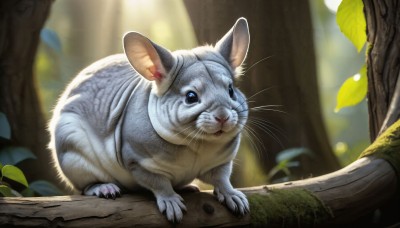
(288, 208)
(387, 147)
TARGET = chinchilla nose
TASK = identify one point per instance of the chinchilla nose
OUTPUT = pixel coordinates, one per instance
(221, 120)
(221, 115)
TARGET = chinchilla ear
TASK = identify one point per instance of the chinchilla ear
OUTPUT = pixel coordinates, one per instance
(235, 44)
(149, 59)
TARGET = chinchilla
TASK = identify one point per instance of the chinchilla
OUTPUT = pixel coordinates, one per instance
(155, 119)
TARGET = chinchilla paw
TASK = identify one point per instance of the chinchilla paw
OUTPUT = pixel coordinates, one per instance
(172, 206)
(103, 190)
(235, 200)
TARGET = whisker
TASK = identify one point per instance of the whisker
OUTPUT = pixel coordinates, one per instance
(256, 109)
(194, 137)
(252, 132)
(257, 93)
(268, 106)
(261, 91)
(267, 125)
(202, 138)
(254, 64)
(189, 135)
(265, 128)
(264, 108)
(255, 141)
(182, 131)
(271, 125)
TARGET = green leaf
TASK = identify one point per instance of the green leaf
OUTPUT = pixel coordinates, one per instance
(289, 154)
(293, 164)
(15, 193)
(5, 191)
(280, 167)
(351, 20)
(45, 188)
(50, 38)
(15, 174)
(5, 130)
(353, 90)
(27, 192)
(15, 155)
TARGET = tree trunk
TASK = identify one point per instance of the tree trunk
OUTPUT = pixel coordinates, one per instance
(282, 32)
(383, 25)
(383, 56)
(20, 26)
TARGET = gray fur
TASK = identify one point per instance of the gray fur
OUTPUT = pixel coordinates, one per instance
(118, 127)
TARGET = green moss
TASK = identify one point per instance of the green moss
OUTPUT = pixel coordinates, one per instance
(387, 147)
(300, 207)
(287, 208)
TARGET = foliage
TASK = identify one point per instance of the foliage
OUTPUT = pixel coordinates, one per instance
(351, 20)
(285, 162)
(5, 131)
(13, 173)
(15, 155)
(51, 39)
(353, 90)
(12, 177)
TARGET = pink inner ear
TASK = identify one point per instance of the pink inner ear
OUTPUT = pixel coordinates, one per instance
(157, 75)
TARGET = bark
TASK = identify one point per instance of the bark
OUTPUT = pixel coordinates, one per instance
(20, 25)
(393, 112)
(347, 195)
(383, 56)
(282, 32)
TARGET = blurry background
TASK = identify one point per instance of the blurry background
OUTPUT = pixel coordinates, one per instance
(338, 59)
(81, 32)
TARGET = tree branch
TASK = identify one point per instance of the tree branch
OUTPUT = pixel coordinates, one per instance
(336, 198)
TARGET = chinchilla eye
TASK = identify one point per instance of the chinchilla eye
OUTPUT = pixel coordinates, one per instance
(230, 90)
(191, 97)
